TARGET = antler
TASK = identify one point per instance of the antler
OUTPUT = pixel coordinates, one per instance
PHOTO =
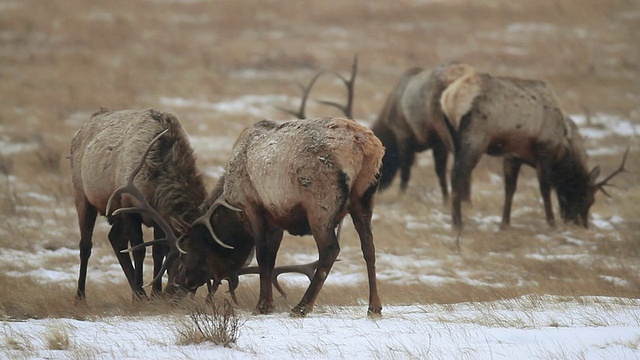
(347, 109)
(601, 184)
(206, 219)
(300, 114)
(306, 269)
(145, 207)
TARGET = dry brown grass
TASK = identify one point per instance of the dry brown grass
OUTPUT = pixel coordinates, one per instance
(59, 61)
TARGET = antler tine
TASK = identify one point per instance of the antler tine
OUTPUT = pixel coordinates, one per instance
(300, 114)
(171, 257)
(205, 219)
(347, 109)
(601, 184)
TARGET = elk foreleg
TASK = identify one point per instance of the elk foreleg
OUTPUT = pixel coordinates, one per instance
(118, 239)
(544, 179)
(267, 244)
(511, 168)
(407, 155)
(87, 215)
(133, 231)
(158, 253)
(328, 250)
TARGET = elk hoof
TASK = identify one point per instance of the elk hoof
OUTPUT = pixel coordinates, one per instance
(299, 311)
(374, 312)
(262, 309)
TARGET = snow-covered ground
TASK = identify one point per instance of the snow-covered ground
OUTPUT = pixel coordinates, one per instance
(529, 327)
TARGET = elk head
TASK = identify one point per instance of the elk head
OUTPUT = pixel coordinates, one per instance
(576, 197)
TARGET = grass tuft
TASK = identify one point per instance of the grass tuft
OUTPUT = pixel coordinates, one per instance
(214, 322)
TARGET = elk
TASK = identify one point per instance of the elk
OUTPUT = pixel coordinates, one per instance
(412, 121)
(103, 152)
(298, 176)
(520, 120)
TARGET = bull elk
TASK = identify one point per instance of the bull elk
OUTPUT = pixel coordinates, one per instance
(412, 121)
(298, 176)
(103, 152)
(520, 120)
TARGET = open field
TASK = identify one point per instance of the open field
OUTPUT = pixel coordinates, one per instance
(221, 65)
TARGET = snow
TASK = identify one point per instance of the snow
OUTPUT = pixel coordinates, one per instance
(527, 327)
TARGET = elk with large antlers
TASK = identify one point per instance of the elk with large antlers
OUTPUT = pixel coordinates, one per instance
(521, 121)
(103, 152)
(298, 176)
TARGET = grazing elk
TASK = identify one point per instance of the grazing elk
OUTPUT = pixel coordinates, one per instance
(298, 176)
(521, 121)
(412, 121)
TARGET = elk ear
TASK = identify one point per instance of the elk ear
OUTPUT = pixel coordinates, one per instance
(593, 175)
(179, 225)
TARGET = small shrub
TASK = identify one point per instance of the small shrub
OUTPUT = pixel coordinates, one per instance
(57, 337)
(213, 322)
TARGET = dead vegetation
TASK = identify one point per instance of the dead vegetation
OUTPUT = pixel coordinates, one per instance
(220, 66)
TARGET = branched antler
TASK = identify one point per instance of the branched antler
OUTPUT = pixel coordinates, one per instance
(300, 114)
(347, 109)
(601, 184)
(205, 219)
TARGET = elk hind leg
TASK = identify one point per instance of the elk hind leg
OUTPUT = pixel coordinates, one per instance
(87, 215)
(466, 160)
(361, 212)
(440, 156)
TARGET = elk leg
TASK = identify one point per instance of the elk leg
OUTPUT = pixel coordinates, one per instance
(133, 230)
(266, 248)
(87, 215)
(511, 168)
(118, 240)
(407, 155)
(158, 253)
(440, 156)
(328, 250)
(543, 169)
(465, 161)
(361, 212)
